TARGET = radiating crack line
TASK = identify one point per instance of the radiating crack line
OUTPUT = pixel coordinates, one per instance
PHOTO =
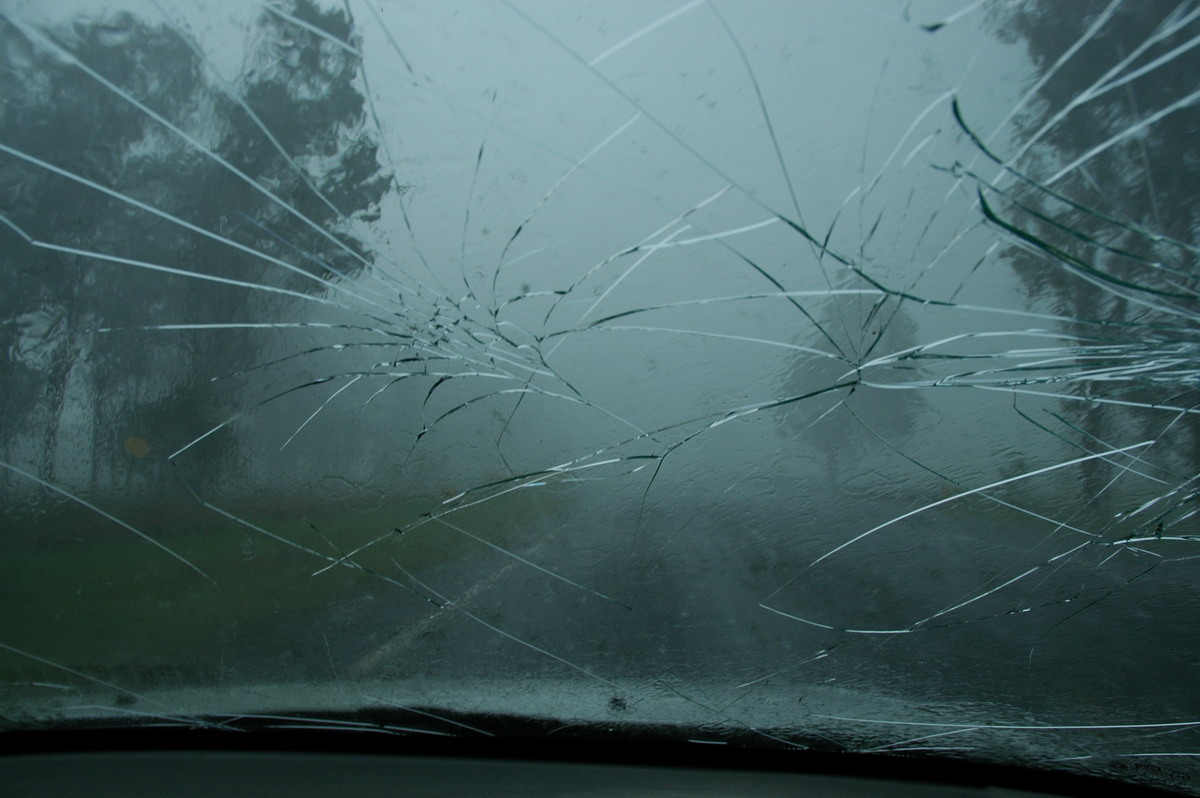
(85, 503)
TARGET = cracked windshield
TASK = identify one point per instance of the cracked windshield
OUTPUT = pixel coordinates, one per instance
(815, 375)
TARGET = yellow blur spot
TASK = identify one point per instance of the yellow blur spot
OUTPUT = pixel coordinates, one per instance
(138, 447)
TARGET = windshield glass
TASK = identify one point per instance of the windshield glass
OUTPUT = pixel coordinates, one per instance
(805, 374)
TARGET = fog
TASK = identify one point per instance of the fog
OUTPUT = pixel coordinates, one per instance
(819, 372)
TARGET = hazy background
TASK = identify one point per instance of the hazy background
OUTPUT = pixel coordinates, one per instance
(644, 343)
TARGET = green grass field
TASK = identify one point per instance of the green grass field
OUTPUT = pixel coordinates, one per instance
(89, 596)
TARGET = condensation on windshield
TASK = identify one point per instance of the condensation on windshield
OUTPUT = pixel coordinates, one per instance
(806, 374)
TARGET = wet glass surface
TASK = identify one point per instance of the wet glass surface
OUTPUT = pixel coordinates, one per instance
(824, 372)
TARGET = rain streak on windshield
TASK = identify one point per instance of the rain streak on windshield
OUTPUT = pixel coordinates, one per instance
(810, 374)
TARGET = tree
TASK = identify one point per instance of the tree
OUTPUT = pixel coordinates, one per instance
(120, 146)
(1099, 200)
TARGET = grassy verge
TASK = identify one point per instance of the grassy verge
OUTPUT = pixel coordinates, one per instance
(94, 598)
